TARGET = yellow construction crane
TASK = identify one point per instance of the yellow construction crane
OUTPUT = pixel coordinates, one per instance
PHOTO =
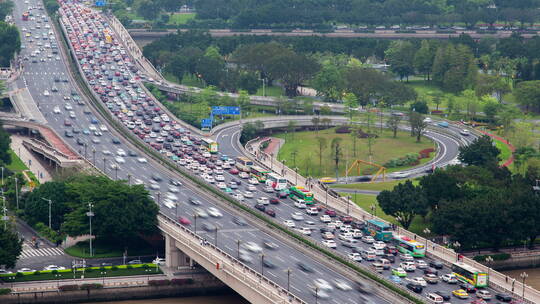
(357, 163)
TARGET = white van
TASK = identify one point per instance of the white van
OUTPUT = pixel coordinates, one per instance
(368, 255)
(351, 243)
(434, 298)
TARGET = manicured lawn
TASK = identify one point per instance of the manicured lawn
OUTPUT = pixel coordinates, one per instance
(90, 272)
(365, 201)
(16, 163)
(380, 186)
(271, 91)
(82, 250)
(384, 148)
(181, 18)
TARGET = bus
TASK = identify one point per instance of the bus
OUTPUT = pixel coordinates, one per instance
(469, 274)
(259, 173)
(407, 245)
(25, 16)
(210, 144)
(275, 181)
(297, 192)
(379, 230)
(243, 163)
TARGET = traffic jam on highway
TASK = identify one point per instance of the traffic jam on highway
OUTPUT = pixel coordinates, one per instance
(113, 76)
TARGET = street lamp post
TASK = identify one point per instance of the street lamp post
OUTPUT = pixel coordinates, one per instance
(288, 278)
(489, 260)
(2, 177)
(104, 163)
(348, 203)
(158, 197)
(195, 216)
(176, 210)
(94, 155)
(271, 161)
(5, 218)
(316, 294)
(85, 147)
(456, 245)
(426, 232)
(50, 205)
(523, 276)
(262, 265)
(116, 172)
(129, 179)
(215, 236)
(296, 178)
(17, 192)
(238, 248)
(90, 214)
(373, 208)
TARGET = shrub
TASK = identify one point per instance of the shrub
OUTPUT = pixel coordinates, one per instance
(145, 266)
(178, 281)
(88, 270)
(159, 282)
(37, 272)
(102, 268)
(4, 291)
(89, 286)
(129, 267)
(19, 275)
(114, 268)
(54, 271)
(68, 287)
(425, 153)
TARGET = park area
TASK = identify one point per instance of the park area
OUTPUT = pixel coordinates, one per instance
(302, 150)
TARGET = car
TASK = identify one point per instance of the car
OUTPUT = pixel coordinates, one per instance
(379, 245)
(263, 200)
(464, 132)
(54, 267)
(395, 279)
(431, 278)
(274, 201)
(214, 212)
(400, 174)
(289, 223)
(325, 218)
(252, 246)
(260, 207)
(390, 249)
(184, 221)
(406, 257)
(234, 171)
(268, 263)
(428, 120)
(483, 294)
(342, 285)
(282, 194)
(467, 287)
(330, 243)
(368, 239)
(252, 181)
(443, 294)
(248, 194)
(330, 212)
(20, 270)
(120, 160)
(200, 212)
(418, 280)
(414, 287)
(460, 293)
(239, 221)
(244, 256)
(270, 245)
(434, 298)
(421, 264)
(503, 297)
(443, 124)
(304, 267)
(435, 264)
(431, 270)
(408, 266)
(322, 284)
(398, 271)
(297, 216)
(270, 212)
(194, 201)
(355, 256)
(158, 261)
(245, 175)
(208, 227)
(449, 278)
(134, 262)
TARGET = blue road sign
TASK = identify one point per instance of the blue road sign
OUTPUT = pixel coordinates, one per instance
(206, 123)
(225, 110)
(101, 3)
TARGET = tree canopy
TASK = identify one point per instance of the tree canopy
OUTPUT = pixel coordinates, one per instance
(481, 152)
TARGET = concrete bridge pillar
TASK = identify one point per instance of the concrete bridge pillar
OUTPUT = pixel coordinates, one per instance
(172, 254)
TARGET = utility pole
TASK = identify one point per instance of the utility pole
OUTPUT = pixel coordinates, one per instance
(50, 205)
(90, 214)
(17, 192)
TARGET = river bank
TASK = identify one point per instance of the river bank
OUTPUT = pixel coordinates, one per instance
(224, 299)
(534, 276)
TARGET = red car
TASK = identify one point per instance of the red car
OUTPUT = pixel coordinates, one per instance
(270, 212)
(330, 212)
(274, 201)
(234, 171)
(346, 219)
(281, 194)
(184, 221)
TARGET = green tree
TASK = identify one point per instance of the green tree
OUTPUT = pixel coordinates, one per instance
(337, 153)
(11, 246)
(481, 152)
(423, 59)
(404, 202)
(351, 103)
(417, 124)
(10, 43)
(419, 106)
(209, 96)
(527, 93)
(393, 122)
(242, 101)
(491, 109)
(148, 10)
(5, 141)
(328, 82)
(316, 121)
(6, 8)
(440, 186)
(250, 131)
(400, 55)
(37, 208)
(491, 84)
(292, 69)
(321, 145)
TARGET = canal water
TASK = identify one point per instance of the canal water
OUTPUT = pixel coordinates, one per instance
(222, 299)
(534, 276)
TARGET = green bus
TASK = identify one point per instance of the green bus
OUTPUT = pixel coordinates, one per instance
(379, 230)
(469, 274)
(297, 192)
(407, 245)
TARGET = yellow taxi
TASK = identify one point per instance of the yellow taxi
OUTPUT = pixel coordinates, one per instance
(460, 293)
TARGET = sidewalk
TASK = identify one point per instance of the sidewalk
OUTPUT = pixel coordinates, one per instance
(29, 159)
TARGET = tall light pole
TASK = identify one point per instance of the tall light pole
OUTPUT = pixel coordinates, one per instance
(104, 163)
(215, 236)
(373, 208)
(116, 172)
(50, 205)
(489, 260)
(94, 155)
(288, 278)
(523, 276)
(90, 214)
(262, 265)
(2, 177)
(158, 197)
(296, 178)
(17, 192)
(348, 203)
(195, 216)
(426, 232)
(176, 210)
(326, 197)
(5, 218)
(85, 147)
(238, 248)
(129, 179)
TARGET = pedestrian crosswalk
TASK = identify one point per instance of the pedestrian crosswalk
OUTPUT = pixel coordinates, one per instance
(29, 252)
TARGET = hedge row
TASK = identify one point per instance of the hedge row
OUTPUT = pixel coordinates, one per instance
(222, 195)
(4, 291)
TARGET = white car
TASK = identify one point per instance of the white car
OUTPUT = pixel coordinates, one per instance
(368, 239)
(325, 218)
(345, 236)
(159, 261)
(26, 270)
(46, 93)
(379, 245)
(92, 128)
(120, 152)
(221, 186)
(401, 174)
(406, 257)
(213, 211)
(219, 178)
(408, 266)
(421, 264)
(300, 204)
(251, 188)
(418, 280)
(268, 189)
(54, 267)
(322, 284)
(330, 243)
(120, 160)
(449, 278)
(297, 216)
(289, 223)
(174, 189)
(253, 247)
(243, 175)
(342, 285)
(355, 256)
(464, 132)
(428, 120)
(56, 110)
(248, 194)
(200, 212)
(253, 181)
(106, 152)
(263, 200)
(239, 196)
(103, 128)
